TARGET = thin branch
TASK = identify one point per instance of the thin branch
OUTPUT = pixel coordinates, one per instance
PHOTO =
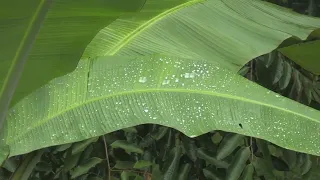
(147, 175)
(107, 157)
(251, 148)
(251, 78)
(251, 70)
(139, 172)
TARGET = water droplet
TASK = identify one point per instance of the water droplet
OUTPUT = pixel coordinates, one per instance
(189, 75)
(166, 81)
(143, 79)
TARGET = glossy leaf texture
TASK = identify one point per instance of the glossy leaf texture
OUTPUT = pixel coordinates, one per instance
(225, 31)
(106, 94)
(67, 29)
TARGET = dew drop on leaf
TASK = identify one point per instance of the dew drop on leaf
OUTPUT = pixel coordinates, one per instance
(166, 81)
(143, 79)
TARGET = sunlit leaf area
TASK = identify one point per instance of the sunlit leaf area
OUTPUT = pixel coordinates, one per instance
(160, 90)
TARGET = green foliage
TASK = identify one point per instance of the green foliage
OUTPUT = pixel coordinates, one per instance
(80, 146)
(229, 143)
(128, 147)
(304, 54)
(84, 167)
(238, 163)
(67, 28)
(209, 158)
(155, 152)
(156, 163)
(28, 165)
(195, 105)
(184, 171)
(142, 164)
(137, 34)
(211, 174)
(247, 174)
(287, 78)
(124, 164)
(71, 160)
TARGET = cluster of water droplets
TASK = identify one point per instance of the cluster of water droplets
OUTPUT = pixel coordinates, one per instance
(192, 96)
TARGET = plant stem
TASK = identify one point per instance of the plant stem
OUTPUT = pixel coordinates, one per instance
(251, 78)
(107, 157)
(139, 172)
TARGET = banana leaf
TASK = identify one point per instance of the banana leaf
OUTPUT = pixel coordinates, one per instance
(106, 94)
(223, 33)
(44, 39)
(53, 46)
(305, 54)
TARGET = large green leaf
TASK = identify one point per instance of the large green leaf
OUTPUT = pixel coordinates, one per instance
(67, 29)
(195, 97)
(43, 39)
(10, 74)
(225, 31)
(305, 54)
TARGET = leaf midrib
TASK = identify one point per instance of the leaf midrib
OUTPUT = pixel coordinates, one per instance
(227, 96)
(116, 48)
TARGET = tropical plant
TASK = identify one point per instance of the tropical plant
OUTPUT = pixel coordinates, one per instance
(142, 68)
(157, 152)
